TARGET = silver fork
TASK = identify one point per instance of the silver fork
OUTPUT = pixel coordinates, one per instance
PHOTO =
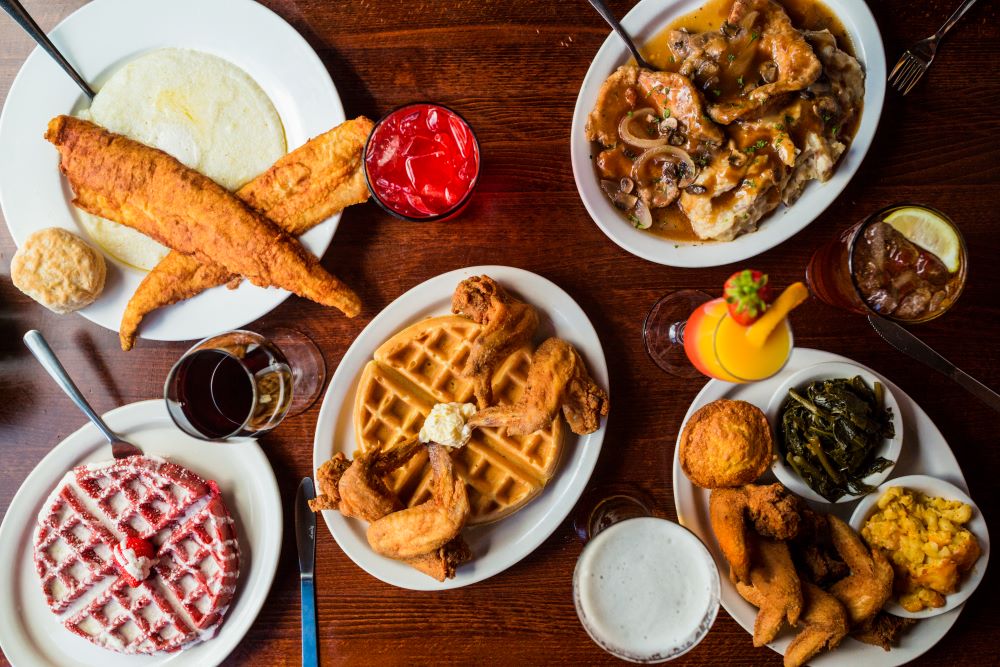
(918, 58)
(47, 358)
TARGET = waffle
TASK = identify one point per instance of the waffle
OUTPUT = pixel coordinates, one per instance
(187, 592)
(421, 366)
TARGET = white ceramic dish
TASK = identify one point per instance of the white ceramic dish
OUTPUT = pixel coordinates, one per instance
(31, 635)
(889, 449)
(936, 488)
(100, 37)
(495, 546)
(926, 452)
(647, 19)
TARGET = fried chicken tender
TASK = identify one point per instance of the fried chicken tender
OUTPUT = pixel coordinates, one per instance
(146, 189)
(508, 324)
(772, 510)
(774, 589)
(869, 586)
(299, 191)
(824, 622)
(429, 526)
(557, 378)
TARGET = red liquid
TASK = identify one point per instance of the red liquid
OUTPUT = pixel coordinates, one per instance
(422, 161)
(214, 393)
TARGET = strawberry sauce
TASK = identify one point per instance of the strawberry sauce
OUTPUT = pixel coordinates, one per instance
(422, 162)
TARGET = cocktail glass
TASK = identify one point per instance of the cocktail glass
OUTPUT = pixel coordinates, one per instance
(688, 333)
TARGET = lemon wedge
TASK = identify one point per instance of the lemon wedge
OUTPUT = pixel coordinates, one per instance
(930, 232)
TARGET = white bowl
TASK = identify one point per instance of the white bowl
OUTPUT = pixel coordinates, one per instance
(643, 22)
(938, 488)
(889, 448)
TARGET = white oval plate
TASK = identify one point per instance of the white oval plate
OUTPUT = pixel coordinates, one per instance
(496, 546)
(99, 38)
(935, 488)
(926, 452)
(647, 19)
(889, 448)
(30, 634)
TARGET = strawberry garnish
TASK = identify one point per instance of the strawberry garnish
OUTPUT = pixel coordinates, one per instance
(140, 548)
(747, 295)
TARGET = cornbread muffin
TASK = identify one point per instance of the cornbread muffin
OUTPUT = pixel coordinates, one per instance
(59, 270)
(726, 443)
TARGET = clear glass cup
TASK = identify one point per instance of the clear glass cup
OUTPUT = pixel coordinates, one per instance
(243, 384)
(834, 269)
(646, 589)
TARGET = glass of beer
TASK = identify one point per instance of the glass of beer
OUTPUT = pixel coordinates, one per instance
(906, 262)
(243, 384)
(646, 589)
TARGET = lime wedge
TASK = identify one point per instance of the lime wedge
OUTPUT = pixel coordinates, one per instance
(929, 231)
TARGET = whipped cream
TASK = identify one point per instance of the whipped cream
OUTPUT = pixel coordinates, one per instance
(446, 424)
(134, 565)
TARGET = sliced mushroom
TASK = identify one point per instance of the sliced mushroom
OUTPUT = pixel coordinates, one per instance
(768, 71)
(624, 201)
(626, 185)
(668, 125)
(695, 189)
(643, 219)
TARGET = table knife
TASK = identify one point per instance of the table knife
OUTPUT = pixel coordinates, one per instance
(907, 343)
(305, 538)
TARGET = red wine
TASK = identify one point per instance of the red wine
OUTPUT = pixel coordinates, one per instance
(214, 393)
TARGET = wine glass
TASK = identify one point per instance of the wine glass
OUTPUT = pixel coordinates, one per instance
(243, 384)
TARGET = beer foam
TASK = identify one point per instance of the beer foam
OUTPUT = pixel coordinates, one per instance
(646, 590)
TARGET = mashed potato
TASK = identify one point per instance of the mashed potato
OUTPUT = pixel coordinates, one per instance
(201, 109)
(924, 538)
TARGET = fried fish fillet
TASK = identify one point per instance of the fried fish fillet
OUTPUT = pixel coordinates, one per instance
(302, 189)
(146, 189)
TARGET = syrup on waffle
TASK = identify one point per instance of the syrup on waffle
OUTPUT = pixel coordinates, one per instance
(422, 365)
(184, 517)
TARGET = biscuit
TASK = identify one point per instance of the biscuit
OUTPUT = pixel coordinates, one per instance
(726, 443)
(59, 270)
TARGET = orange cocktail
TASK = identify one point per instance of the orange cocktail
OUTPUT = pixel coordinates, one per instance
(719, 347)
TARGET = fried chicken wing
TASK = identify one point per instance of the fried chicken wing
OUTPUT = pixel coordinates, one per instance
(507, 325)
(420, 530)
(356, 488)
(774, 589)
(774, 511)
(824, 625)
(884, 630)
(302, 189)
(146, 189)
(557, 378)
(869, 586)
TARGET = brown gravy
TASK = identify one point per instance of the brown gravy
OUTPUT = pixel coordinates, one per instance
(670, 222)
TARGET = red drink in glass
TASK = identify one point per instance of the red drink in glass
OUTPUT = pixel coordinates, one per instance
(422, 162)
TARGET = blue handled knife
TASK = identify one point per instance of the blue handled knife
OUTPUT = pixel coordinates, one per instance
(305, 538)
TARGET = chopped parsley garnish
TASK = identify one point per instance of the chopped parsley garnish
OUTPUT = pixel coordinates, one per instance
(754, 36)
(629, 114)
(730, 57)
(753, 148)
(739, 82)
(789, 120)
(666, 114)
(835, 131)
(716, 92)
(779, 127)
(634, 220)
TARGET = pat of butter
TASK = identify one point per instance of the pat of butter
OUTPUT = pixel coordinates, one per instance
(446, 424)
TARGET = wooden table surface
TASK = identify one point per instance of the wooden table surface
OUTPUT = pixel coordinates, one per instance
(513, 68)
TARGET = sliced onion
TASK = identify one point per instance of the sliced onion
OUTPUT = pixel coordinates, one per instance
(626, 132)
(666, 151)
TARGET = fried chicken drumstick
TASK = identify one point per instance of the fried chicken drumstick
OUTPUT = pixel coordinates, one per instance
(507, 325)
(146, 189)
(299, 191)
(557, 379)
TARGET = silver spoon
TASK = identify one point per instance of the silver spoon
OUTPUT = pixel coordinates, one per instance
(47, 358)
(606, 14)
(23, 19)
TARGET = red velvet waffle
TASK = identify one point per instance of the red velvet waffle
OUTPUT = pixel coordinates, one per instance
(183, 517)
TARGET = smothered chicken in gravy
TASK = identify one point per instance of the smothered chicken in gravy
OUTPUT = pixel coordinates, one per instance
(737, 121)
